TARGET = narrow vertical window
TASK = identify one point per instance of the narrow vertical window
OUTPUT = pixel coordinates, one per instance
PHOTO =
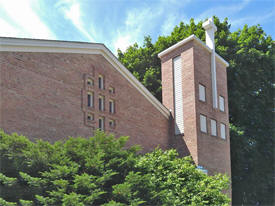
(201, 92)
(223, 131)
(90, 82)
(100, 82)
(213, 127)
(90, 99)
(112, 106)
(101, 103)
(112, 123)
(221, 103)
(111, 90)
(101, 123)
(90, 117)
(203, 124)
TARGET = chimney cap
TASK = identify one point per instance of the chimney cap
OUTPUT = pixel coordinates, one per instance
(209, 24)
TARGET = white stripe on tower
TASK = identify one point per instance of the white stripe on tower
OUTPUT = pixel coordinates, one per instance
(179, 124)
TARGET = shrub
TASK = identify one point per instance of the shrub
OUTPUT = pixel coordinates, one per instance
(100, 171)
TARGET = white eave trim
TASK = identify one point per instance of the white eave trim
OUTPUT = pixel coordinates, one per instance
(53, 46)
(184, 41)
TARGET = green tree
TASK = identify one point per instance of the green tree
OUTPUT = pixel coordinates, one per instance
(250, 53)
(144, 64)
(251, 86)
(99, 171)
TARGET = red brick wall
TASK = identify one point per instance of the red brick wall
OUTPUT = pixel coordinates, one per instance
(43, 95)
(214, 152)
(211, 152)
(187, 144)
(190, 132)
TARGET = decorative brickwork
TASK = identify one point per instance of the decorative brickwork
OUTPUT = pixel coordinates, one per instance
(44, 95)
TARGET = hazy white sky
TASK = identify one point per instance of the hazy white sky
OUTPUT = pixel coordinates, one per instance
(120, 23)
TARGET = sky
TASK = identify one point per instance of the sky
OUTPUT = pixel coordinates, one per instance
(121, 23)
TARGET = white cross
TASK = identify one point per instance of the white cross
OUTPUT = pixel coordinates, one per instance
(210, 29)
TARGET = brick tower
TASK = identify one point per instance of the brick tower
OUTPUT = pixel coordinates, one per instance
(194, 88)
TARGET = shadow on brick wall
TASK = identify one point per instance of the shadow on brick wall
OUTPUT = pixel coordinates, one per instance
(176, 141)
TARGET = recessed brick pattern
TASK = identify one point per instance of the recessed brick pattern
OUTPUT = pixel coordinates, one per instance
(44, 95)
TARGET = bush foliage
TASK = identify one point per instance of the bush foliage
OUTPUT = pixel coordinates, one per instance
(100, 171)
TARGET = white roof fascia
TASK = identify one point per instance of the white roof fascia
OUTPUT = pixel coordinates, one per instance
(37, 45)
(54, 46)
(190, 38)
(180, 43)
(129, 76)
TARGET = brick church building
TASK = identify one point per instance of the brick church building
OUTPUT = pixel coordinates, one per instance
(55, 89)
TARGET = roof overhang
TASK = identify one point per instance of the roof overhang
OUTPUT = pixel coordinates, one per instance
(54, 46)
(188, 39)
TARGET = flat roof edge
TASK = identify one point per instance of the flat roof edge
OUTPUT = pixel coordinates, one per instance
(188, 39)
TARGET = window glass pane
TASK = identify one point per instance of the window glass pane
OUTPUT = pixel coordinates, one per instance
(101, 123)
(89, 100)
(221, 103)
(111, 106)
(92, 99)
(100, 82)
(202, 93)
(213, 127)
(101, 103)
(223, 132)
(203, 123)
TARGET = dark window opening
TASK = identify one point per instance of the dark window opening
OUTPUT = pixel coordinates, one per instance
(89, 100)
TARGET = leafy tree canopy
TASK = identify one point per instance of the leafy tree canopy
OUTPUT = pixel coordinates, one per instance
(99, 171)
(250, 53)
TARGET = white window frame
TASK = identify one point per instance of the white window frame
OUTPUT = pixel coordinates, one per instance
(202, 93)
(100, 82)
(101, 123)
(90, 98)
(203, 123)
(223, 130)
(101, 103)
(213, 124)
(111, 106)
(221, 103)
